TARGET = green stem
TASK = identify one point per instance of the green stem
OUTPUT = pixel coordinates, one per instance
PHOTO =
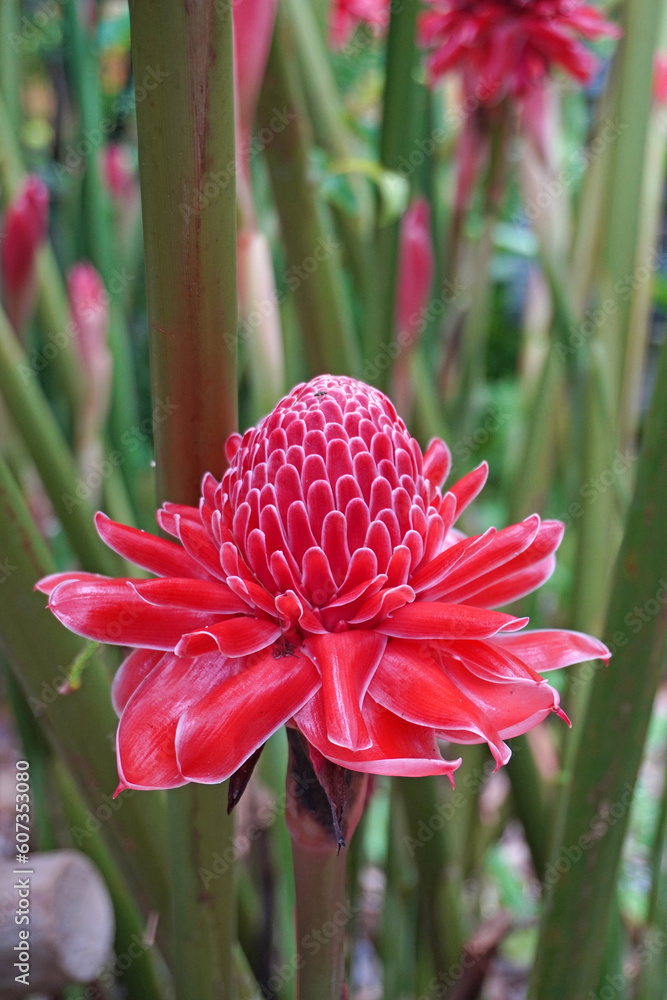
(186, 141)
(10, 66)
(596, 810)
(396, 142)
(319, 878)
(50, 453)
(324, 316)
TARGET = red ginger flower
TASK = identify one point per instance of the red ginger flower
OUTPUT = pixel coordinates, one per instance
(322, 585)
(505, 48)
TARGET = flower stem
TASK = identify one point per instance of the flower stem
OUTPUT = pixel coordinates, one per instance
(323, 808)
(183, 71)
(320, 891)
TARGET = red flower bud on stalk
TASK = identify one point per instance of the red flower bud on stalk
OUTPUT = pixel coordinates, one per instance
(253, 31)
(23, 231)
(345, 16)
(89, 310)
(416, 264)
(322, 585)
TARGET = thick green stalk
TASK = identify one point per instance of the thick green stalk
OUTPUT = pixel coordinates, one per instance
(186, 142)
(396, 141)
(573, 932)
(187, 171)
(50, 453)
(11, 44)
(313, 254)
(319, 879)
(432, 854)
(81, 725)
(327, 116)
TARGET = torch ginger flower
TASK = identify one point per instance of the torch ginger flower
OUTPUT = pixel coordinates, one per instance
(504, 48)
(322, 584)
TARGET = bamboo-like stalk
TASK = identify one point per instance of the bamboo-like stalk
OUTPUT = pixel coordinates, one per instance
(396, 141)
(320, 891)
(327, 116)
(50, 453)
(10, 47)
(313, 253)
(187, 172)
(81, 725)
(573, 931)
(124, 411)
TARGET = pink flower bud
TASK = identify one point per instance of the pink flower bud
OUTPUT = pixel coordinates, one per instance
(415, 269)
(253, 30)
(660, 78)
(89, 310)
(118, 170)
(345, 16)
(23, 231)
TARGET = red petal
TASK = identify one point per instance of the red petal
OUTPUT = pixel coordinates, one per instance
(222, 730)
(515, 587)
(130, 674)
(399, 748)
(437, 462)
(236, 637)
(157, 555)
(413, 686)
(551, 649)
(509, 709)
(346, 661)
(49, 583)
(145, 744)
(432, 620)
(502, 549)
(469, 487)
(112, 611)
(198, 595)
